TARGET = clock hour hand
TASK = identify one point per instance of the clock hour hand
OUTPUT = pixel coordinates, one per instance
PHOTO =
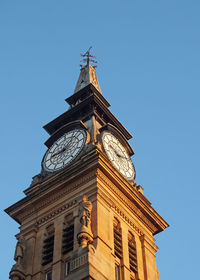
(63, 149)
(110, 146)
(59, 152)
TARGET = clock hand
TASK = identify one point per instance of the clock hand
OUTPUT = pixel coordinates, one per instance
(63, 150)
(68, 144)
(121, 156)
(59, 152)
(110, 146)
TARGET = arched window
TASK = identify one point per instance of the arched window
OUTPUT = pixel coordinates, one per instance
(132, 254)
(68, 235)
(117, 239)
(48, 276)
(48, 245)
(117, 248)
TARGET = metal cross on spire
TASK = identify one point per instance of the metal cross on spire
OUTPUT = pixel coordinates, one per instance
(88, 58)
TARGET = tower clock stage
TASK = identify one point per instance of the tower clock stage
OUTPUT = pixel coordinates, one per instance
(84, 216)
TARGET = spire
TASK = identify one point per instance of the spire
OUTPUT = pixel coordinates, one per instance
(88, 73)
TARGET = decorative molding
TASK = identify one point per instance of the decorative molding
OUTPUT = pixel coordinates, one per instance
(76, 263)
(129, 205)
(56, 196)
(29, 232)
(84, 235)
(126, 219)
(112, 205)
(149, 244)
(56, 212)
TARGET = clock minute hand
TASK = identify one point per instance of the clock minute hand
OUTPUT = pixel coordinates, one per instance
(59, 152)
(68, 144)
(121, 156)
(63, 150)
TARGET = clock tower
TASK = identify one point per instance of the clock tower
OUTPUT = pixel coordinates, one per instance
(84, 216)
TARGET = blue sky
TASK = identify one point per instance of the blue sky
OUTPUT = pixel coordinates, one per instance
(148, 69)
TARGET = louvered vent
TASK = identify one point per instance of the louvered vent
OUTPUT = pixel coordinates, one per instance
(68, 239)
(132, 253)
(47, 255)
(117, 239)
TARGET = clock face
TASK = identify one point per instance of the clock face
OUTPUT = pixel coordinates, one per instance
(118, 155)
(64, 150)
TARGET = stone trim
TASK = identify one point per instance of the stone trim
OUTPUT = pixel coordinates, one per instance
(112, 205)
(56, 196)
(56, 212)
(76, 263)
(126, 219)
(147, 243)
(129, 205)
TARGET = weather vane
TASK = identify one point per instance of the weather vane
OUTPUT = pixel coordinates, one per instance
(88, 58)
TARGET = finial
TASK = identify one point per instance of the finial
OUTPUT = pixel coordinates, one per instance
(88, 58)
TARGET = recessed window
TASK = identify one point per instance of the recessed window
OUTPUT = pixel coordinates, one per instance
(132, 253)
(68, 235)
(67, 268)
(117, 239)
(48, 246)
(68, 239)
(117, 272)
(48, 276)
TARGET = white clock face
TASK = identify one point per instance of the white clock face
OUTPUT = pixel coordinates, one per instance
(64, 150)
(118, 155)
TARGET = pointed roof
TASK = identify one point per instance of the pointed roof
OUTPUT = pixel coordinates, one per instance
(86, 101)
(86, 77)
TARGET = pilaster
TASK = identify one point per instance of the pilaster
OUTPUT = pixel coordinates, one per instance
(57, 257)
(125, 263)
(139, 257)
(76, 228)
(30, 237)
(36, 265)
(149, 259)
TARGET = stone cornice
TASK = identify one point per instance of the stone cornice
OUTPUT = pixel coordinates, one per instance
(91, 167)
(126, 219)
(56, 193)
(28, 232)
(55, 212)
(131, 197)
(118, 210)
(132, 207)
(67, 175)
